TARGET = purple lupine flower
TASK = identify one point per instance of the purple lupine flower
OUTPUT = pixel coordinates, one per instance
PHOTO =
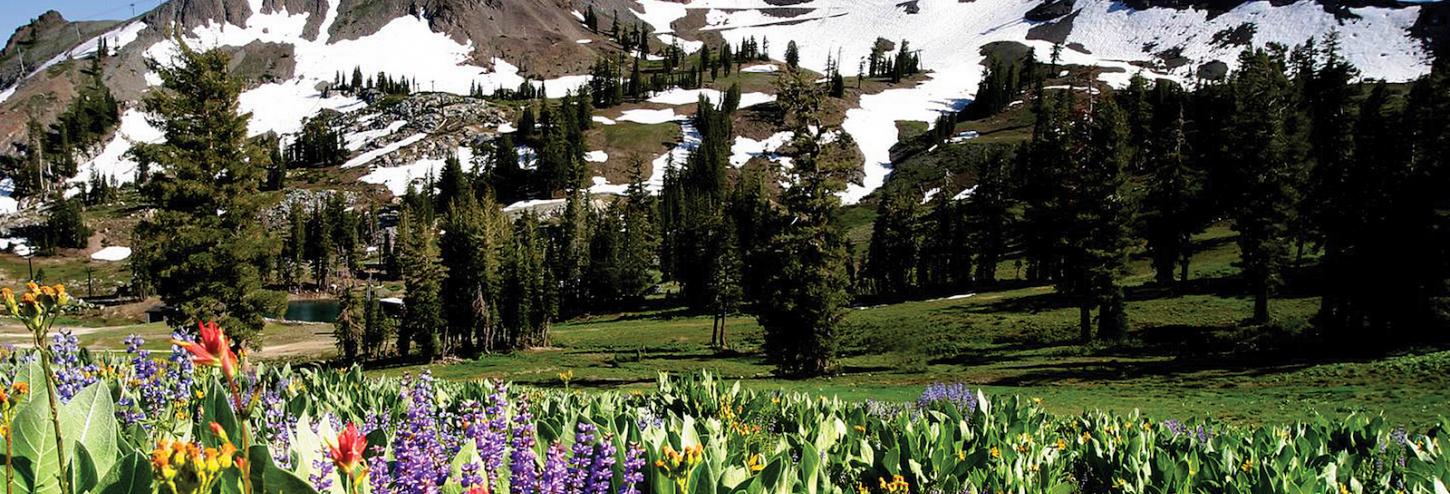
(601, 470)
(71, 375)
(321, 477)
(1203, 434)
(1175, 426)
(378, 478)
(633, 470)
(277, 424)
(422, 461)
(374, 421)
(955, 394)
(493, 447)
(152, 396)
(523, 465)
(179, 370)
(581, 456)
(556, 476)
(468, 475)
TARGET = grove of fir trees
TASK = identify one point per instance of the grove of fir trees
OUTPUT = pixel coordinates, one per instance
(203, 249)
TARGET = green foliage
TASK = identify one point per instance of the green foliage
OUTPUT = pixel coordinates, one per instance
(422, 280)
(65, 227)
(203, 250)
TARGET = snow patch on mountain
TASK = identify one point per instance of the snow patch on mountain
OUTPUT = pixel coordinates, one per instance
(356, 140)
(405, 46)
(648, 116)
(1378, 42)
(114, 162)
(745, 148)
(281, 107)
(397, 178)
(677, 96)
(689, 141)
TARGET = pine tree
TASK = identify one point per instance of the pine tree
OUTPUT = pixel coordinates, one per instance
(205, 248)
(792, 55)
(1172, 205)
(294, 248)
(510, 181)
(640, 237)
(802, 302)
(350, 325)
(1264, 173)
(529, 298)
(453, 184)
(319, 245)
(1096, 234)
(460, 250)
(65, 227)
(570, 254)
(422, 279)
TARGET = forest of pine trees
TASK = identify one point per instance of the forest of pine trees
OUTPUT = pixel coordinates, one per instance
(1291, 151)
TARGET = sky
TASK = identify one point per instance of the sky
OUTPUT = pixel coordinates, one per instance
(15, 13)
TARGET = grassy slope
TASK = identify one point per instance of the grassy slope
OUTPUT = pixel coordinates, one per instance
(1186, 356)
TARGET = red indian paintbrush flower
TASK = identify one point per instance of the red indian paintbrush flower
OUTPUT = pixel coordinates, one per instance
(347, 453)
(213, 350)
(477, 489)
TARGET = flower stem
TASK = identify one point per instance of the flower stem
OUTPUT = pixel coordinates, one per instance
(246, 433)
(9, 453)
(45, 356)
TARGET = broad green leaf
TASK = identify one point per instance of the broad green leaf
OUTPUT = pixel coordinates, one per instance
(89, 419)
(36, 468)
(268, 478)
(130, 475)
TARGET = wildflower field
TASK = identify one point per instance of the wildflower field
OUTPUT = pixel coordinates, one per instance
(203, 419)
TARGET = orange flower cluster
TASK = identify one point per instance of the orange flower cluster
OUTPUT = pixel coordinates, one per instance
(678, 466)
(897, 484)
(9, 405)
(183, 467)
(37, 302)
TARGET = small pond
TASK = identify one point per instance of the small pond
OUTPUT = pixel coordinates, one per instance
(320, 310)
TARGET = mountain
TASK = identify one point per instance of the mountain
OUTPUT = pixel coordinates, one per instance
(289, 50)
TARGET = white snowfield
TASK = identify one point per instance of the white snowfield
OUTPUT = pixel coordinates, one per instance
(745, 148)
(647, 116)
(950, 34)
(397, 178)
(356, 140)
(365, 158)
(8, 204)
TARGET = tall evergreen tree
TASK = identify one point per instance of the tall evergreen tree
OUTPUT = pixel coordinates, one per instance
(205, 247)
(1172, 204)
(802, 303)
(1265, 172)
(423, 321)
